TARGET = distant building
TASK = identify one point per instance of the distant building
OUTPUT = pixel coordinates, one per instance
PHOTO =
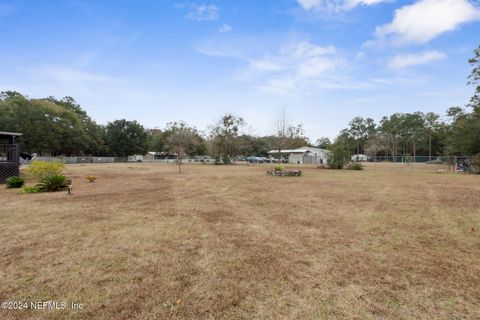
(153, 155)
(135, 158)
(304, 155)
(359, 157)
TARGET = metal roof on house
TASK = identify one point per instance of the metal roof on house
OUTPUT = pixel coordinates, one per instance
(14, 134)
(300, 150)
(285, 151)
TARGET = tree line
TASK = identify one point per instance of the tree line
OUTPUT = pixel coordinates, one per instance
(60, 127)
(419, 134)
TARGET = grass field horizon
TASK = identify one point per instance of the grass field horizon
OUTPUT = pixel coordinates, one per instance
(230, 242)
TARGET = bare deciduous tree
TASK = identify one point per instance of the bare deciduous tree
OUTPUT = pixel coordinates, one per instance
(182, 139)
(287, 135)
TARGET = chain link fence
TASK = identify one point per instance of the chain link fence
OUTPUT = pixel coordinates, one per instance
(421, 163)
(92, 159)
(380, 163)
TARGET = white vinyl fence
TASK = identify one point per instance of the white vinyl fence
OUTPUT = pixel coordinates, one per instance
(73, 160)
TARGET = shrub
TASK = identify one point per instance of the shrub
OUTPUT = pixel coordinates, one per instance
(476, 164)
(15, 182)
(279, 167)
(52, 183)
(355, 166)
(337, 158)
(222, 160)
(408, 159)
(31, 189)
(226, 160)
(91, 178)
(41, 169)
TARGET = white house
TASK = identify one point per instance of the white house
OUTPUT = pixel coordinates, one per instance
(307, 155)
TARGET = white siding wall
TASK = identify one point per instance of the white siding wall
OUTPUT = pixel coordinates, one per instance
(295, 158)
(308, 158)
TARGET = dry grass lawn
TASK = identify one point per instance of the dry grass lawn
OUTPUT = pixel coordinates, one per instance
(230, 242)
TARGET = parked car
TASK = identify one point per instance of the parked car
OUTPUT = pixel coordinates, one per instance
(276, 160)
(202, 159)
(253, 159)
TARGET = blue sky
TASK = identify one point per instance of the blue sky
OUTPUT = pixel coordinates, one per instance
(322, 61)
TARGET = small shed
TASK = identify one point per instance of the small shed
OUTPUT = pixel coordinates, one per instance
(9, 155)
(304, 155)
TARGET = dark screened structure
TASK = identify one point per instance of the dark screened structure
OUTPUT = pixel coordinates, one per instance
(9, 155)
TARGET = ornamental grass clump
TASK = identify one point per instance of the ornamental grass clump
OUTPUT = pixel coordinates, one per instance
(15, 182)
(53, 183)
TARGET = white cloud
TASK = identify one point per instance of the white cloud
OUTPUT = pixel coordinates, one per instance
(204, 12)
(225, 28)
(265, 65)
(213, 48)
(310, 4)
(305, 50)
(427, 19)
(413, 59)
(366, 2)
(354, 3)
(237, 46)
(297, 68)
(361, 55)
(67, 75)
(336, 5)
